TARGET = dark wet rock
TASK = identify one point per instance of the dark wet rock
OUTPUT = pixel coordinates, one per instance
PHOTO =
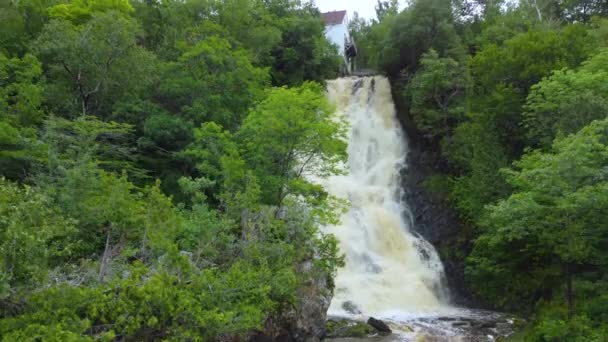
(383, 328)
(357, 85)
(308, 320)
(351, 308)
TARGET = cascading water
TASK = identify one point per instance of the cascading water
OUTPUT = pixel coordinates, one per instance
(391, 272)
(388, 268)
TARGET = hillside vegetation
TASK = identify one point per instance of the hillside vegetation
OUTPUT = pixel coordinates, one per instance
(513, 98)
(152, 161)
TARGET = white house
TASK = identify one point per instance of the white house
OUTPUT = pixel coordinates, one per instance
(336, 31)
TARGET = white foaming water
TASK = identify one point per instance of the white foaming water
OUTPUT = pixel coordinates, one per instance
(390, 272)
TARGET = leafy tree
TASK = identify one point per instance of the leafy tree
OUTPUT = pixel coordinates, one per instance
(122, 92)
(437, 91)
(582, 10)
(88, 140)
(20, 22)
(80, 11)
(20, 115)
(422, 26)
(553, 221)
(385, 8)
(94, 64)
(165, 132)
(288, 135)
(370, 38)
(567, 100)
(490, 134)
(213, 82)
(20, 92)
(304, 53)
(528, 57)
(252, 25)
(212, 152)
(31, 240)
(476, 151)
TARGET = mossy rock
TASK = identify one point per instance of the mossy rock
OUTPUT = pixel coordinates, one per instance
(346, 328)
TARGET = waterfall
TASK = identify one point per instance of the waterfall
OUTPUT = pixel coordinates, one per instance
(389, 270)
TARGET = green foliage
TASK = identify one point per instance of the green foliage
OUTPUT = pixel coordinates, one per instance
(31, 240)
(216, 157)
(252, 25)
(20, 114)
(304, 54)
(166, 132)
(588, 324)
(576, 329)
(214, 82)
(289, 134)
(79, 11)
(551, 220)
(20, 22)
(527, 57)
(94, 64)
(422, 26)
(386, 8)
(88, 140)
(93, 248)
(20, 93)
(107, 106)
(534, 77)
(475, 149)
(437, 91)
(149, 305)
(567, 100)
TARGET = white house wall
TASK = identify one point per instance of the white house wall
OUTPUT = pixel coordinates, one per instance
(336, 34)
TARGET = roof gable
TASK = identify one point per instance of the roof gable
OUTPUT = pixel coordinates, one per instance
(333, 18)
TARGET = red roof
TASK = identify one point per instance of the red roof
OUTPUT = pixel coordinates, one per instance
(333, 18)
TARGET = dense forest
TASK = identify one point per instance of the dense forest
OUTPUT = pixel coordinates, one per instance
(513, 98)
(153, 161)
(147, 156)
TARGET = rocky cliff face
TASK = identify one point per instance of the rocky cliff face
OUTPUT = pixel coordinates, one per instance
(314, 299)
(434, 219)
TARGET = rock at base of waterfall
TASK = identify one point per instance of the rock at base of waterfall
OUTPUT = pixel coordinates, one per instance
(307, 322)
(383, 328)
(351, 308)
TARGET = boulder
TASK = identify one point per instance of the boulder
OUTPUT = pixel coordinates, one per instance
(382, 328)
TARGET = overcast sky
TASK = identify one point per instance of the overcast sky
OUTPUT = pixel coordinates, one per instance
(364, 7)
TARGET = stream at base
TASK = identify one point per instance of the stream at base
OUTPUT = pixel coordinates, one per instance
(455, 325)
(391, 272)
